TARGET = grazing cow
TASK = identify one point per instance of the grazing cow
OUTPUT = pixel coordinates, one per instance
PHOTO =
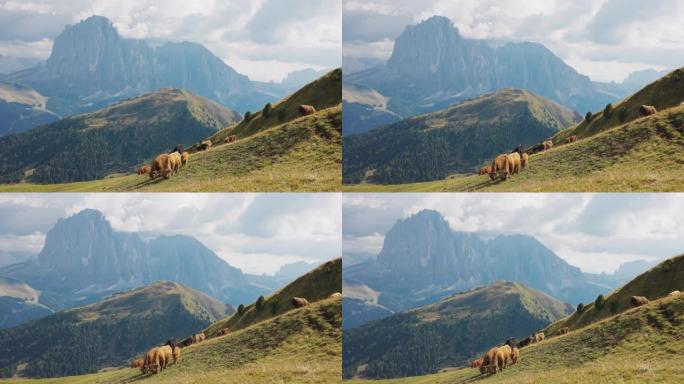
(477, 363)
(178, 148)
(151, 362)
(230, 139)
(674, 293)
(512, 342)
(223, 331)
(165, 356)
(527, 341)
(514, 163)
(548, 144)
(199, 337)
(185, 158)
(500, 168)
(515, 355)
(571, 139)
(490, 361)
(638, 301)
(176, 354)
(160, 167)
(145, 169)
(188, 341)
(486, 170)
(536, 149)
(305, 110)
(524, 160)
(335, 295)
(175, 162)
(563, 331)
(137, 363)
(539, 337)
(506, 351)
(299, 302)
(204, 145)
(647, 110)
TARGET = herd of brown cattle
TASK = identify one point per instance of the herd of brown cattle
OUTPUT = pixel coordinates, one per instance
(158, 358)
(166, 164)
(507, 164)
(498, 358)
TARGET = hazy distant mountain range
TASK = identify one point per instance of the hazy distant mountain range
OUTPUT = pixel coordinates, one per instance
(91, 66)
(422, 260)
(432, 66)
(84, 260)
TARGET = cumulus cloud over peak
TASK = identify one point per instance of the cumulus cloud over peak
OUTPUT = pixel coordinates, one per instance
(604, 39)
(255, 232)
(264, 39)
(596, 232)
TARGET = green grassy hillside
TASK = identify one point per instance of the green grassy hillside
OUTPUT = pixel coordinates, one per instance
(456, 139)
(300, 346)
(325, 92)
(640, 345)
(646, 154)
(106, 333)
(304, 154)
(113, 139)
(447, 333)
(316, 285)
(653, 284)
(667, 92)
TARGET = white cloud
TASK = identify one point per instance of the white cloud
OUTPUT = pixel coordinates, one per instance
(264, 38)
(604, 39)
(255, 232)
(595, 232)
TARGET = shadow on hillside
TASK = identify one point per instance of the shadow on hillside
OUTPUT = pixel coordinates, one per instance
(484, 184)
(144, 183)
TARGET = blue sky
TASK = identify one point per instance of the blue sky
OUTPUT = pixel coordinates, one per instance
(264, 39)
(255, 232)
(596, 232)
(604, 39)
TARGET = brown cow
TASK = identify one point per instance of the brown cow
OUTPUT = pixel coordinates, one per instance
(563, 331)
(515, 355)
(151, 362)
(137, 363)
(647, 110)
(500, 168)
(674, 293)
(199, 337)
(305, 110)
(223, 331)
(527, 341)
(486, 170)
(477, 363)
(145, 169)
(524, 161)
(539, 337)
(188, 341)
(204, 145)
(185, 158)
(335, 295)
(490, 361)
(175, 162)
(506, 353)
(230, 139)
(299, 302)
(638, 301)
(571, 139)
(176, 354)
(548, 144)
(160, 167)
(514, 163)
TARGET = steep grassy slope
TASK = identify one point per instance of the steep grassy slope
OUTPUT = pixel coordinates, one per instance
(448, 332)
(646, 154)
(316, 285)
(300, 346)
(641, 345)
(302, 155)
(456, 139)
(655, 283)
(322, 93)
(114, 139)
(107, 333)
(664, 93)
